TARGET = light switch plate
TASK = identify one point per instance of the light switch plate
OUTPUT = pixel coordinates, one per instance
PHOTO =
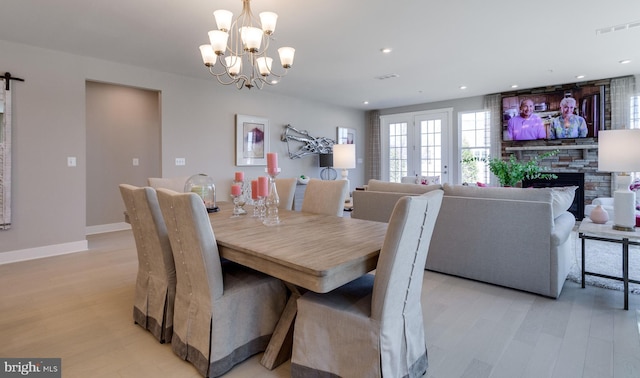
(71, 161)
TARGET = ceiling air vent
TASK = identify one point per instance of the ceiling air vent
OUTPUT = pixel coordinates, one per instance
(615, 28)
(387, 76)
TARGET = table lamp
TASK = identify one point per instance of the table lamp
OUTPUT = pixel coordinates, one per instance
(619, 151)
(326, 161)
(344, 156)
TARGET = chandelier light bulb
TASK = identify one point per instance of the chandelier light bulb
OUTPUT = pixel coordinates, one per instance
(223, 19)
(251, 38)
(264, 65)
(268, 21)
(218, 41)
(286, 56)
(234, 65)
(208, 56)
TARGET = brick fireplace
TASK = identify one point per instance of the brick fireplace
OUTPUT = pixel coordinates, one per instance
(572, 158)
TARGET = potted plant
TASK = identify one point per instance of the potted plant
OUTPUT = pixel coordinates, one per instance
(511, 172)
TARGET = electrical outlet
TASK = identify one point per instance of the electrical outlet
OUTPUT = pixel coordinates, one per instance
(181, 161)
(136, 162)
(71, 161)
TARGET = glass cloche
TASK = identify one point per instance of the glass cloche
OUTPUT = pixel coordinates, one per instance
(203, 185)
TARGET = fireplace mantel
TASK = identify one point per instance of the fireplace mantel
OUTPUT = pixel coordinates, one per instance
(518, 149)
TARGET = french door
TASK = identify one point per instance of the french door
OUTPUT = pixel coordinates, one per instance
(416, 144)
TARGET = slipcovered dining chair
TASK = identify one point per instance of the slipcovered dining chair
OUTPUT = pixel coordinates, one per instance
(173, 183)
(286, 188)
(325, 197)
(373, 326)
(224, 313)
(156, 279)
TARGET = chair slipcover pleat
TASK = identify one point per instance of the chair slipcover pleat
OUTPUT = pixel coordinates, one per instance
(224, 313)
(156, 279)
(373, 326)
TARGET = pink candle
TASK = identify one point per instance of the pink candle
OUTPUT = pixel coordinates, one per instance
(263, 186)
(272, 162)
(236, 190)
(254, 189)
(239, 176)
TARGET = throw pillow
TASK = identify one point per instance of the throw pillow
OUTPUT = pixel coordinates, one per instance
(562, 198)
(427, 180)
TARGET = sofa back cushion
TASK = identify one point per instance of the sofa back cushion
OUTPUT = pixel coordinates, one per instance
(386, 186)
(560, 198)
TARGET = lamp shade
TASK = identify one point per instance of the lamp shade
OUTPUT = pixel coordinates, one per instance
(326, 160)
(344, 156)
(619, 151)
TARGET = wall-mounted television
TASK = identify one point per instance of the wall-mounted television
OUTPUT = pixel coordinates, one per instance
(542, 116)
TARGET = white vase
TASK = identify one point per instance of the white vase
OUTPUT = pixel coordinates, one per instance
(599, 215)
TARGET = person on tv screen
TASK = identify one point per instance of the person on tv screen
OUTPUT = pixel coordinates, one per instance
(526, 125)
(568, 124)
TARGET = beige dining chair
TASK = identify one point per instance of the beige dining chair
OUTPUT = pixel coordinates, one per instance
(224, 313)
(286, 188)
(172, 183)
(156, 279)
(373, 326)
(325, 197)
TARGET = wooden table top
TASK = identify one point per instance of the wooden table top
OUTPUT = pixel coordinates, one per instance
(316, 252)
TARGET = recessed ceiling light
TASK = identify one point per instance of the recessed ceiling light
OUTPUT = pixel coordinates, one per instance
(365, 102)
(385, 50)
(580, 77)
(514, 86)
(624, 61)
(463, 87)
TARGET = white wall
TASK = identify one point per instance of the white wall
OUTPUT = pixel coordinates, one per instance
(48, 204)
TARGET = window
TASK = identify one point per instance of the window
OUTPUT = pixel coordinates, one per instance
(415, 144)
(634, 117)
(475, 144)
(398, 151)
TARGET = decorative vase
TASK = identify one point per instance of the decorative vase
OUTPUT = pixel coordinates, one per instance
(599, 215)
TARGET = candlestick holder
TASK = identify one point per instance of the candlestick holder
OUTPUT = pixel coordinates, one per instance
(239, 200)
(273, 200)
(259, 208)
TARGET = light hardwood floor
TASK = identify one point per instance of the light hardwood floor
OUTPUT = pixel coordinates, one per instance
(79, 307)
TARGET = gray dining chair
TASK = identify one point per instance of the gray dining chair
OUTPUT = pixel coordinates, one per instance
(286, 188)
(156, 278)
(224, 313)
(325, 197)
(373, 326)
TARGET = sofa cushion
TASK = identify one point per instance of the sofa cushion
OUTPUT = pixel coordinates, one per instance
(386, 186)
(560, 198)
(529, 194)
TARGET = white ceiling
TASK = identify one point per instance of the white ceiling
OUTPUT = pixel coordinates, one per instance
(437, 46)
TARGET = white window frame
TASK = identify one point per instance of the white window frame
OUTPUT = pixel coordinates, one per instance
(486, 114)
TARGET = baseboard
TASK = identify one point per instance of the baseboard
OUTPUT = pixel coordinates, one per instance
(40, 252)
(103, 228)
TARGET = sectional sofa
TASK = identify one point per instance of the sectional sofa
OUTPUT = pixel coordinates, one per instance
(512, 237)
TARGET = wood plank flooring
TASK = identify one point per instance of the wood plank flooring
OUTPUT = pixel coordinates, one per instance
(79, 307)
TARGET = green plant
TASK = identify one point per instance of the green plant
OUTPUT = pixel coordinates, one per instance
(511, 172)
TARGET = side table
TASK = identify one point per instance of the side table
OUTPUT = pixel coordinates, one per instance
(604, 232)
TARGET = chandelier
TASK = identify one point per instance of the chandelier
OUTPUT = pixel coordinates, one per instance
(236, 46)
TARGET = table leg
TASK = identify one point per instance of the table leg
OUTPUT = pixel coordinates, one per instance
(583, 264)
(281, 343)
(625, 271)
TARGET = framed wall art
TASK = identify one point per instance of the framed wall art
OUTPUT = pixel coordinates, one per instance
(346, 135)
(252, 140)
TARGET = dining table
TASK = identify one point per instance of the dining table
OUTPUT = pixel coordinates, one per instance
(306, 251)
